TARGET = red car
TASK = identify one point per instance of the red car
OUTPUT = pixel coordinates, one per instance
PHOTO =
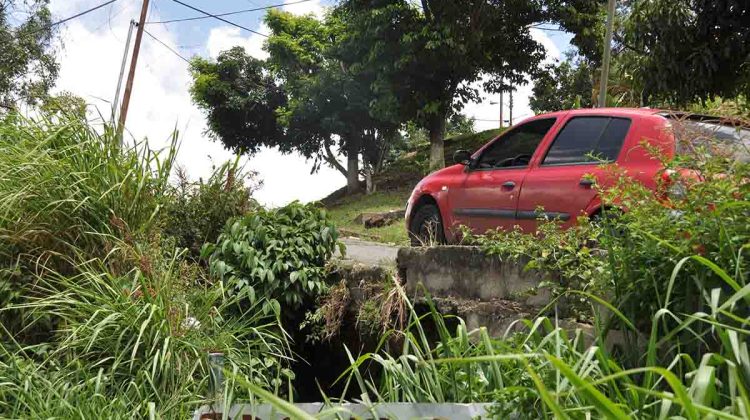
(545, 162)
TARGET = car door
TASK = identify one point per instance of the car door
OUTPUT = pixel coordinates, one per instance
(562, 184)
(488, 194)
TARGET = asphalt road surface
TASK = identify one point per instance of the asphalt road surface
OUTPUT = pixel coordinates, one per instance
(370, 253)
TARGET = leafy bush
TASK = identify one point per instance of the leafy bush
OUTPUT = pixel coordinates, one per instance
(571, 259)
(196, 212)
(705, 221)
(280, 254)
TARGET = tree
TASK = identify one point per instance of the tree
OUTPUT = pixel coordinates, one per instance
(427, 56)
(326, 102)
(27, 63)
(240, 101)
(688, 50)
(302, 98)
(666, 53)
(564, 85)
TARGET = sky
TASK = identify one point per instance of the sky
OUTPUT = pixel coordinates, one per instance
(90, 57)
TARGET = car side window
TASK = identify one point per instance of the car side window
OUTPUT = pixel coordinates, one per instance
(515, 148)
(588, 140)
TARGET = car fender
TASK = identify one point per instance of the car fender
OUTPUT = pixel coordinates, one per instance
(594, 205)
(441, 197)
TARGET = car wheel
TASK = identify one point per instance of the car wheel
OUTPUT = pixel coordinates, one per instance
(426, 227)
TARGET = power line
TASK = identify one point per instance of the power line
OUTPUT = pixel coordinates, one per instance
(83, 13)
(219, 18)
(52, 25)
(230, 13)
(166, 46)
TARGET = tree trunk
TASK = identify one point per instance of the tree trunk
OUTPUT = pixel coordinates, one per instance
(437, 151)
(352, 166)
(369, 184)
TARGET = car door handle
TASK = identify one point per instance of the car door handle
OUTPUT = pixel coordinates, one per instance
(586, 182)
(509, 184)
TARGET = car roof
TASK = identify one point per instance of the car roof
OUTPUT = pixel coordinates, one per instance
(624, 112)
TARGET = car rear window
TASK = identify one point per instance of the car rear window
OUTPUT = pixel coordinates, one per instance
(713, 137)
(588, 140)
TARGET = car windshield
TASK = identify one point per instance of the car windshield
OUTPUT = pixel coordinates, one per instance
(713, 137)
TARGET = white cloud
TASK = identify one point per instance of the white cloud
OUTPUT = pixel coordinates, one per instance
(90, 64)
(304, 8)
(488, 114)
(224, 37)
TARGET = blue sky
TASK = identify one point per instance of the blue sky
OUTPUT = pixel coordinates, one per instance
(91, 52)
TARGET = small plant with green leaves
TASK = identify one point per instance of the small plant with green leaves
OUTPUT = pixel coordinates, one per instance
(570, 259)
(278, 254)
(196, 212)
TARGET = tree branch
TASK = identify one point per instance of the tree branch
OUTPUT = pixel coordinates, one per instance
(426, 10)
(331, 159)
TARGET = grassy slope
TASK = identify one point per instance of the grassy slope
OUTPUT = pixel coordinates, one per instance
(394, 186)
(344, 211)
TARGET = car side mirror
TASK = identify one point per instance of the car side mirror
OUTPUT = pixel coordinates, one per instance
(462, 156)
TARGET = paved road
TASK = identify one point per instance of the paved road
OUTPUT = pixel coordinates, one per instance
(369, 252)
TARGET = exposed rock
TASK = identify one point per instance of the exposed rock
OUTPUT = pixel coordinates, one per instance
(375, 220)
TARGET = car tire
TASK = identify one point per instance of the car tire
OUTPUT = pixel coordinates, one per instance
(426, 226)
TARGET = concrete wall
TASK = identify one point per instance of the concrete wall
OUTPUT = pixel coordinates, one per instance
(468, 273)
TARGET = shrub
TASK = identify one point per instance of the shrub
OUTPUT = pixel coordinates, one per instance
(570, 259)
(280, 254)
(196, 212)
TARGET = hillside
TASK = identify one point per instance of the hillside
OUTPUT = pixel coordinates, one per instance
(393, 187)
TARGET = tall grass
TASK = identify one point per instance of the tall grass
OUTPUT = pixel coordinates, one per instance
(100, 316)
(550, 370)
(66, 184)
(68, 189)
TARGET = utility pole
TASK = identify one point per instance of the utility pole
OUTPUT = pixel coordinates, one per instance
(501, 109)
(122, 70)
(607, 53)
(510, 108)
(131, 74)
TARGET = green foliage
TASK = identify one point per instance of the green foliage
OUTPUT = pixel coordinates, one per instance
(240, 100)
(69, 190)
(97, 318)
(738, 107)
(687, 51)
(196, 212)
(571, 259)
(143, 337)
(27, 60)
(562, 86)
(424, 58)
(277, 254)
(705, 219)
